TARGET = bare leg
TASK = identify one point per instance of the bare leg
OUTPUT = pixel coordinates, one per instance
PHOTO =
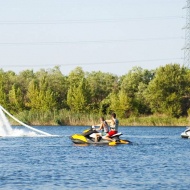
(108, 138)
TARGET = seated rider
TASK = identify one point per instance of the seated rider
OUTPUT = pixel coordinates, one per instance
(103, 126)
(114, 122)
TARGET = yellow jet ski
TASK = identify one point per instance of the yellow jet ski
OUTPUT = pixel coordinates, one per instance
(85, 138)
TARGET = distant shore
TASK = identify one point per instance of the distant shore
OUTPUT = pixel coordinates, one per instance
(83, 120)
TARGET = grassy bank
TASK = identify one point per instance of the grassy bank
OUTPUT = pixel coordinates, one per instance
(154, 121)
(62, 117)
(65, 117)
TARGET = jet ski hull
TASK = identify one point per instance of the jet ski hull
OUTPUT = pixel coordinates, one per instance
(80, 139)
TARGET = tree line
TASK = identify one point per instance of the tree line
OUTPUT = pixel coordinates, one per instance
(165, 90)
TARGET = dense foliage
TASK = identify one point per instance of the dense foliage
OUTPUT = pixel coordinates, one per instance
(165, 91)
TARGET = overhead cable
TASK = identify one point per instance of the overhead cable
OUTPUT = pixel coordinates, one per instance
(90, 41)
(92, 63)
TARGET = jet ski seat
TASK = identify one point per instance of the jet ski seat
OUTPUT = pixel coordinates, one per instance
(117, 134)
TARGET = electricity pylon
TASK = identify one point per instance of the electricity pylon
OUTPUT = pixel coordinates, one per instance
(187, 36)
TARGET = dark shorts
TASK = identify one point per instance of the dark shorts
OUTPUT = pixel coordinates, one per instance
(112, 133)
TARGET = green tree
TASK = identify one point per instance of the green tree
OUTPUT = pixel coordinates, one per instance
(141, 105)
(100, 86)
(24, 78)
(5, 85)
(40, 97)
(3, 96)
(75, 76)
(57, 83)
(134, 84)
(16, 99)
(165, 93)
(76, 99)
(133, 78)
(120, 103)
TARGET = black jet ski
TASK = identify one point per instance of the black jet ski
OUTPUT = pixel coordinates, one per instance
(85, 138)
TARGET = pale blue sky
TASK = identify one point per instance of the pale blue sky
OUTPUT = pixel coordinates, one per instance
(107, 35)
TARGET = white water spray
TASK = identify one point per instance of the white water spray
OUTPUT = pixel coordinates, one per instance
(6, 129)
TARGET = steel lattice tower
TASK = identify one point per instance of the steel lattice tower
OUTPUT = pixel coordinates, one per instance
(187, 36)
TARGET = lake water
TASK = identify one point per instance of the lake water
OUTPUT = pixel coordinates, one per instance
(158, 159)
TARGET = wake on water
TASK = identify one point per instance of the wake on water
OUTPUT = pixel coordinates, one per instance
(21, 133)
(7, 131)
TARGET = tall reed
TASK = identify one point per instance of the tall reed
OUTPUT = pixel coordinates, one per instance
(65, 117)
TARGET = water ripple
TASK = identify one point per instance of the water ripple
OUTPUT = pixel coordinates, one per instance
(157, 159)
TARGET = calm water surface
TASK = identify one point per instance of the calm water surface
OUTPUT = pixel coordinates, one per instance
(158, 159)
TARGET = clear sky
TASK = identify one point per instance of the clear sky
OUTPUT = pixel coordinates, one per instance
(107, 35)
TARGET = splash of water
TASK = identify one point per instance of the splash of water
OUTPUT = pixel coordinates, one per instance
(5, 127)
(7, 131)
(24, 133)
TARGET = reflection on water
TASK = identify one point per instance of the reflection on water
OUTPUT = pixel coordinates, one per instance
(157, 159)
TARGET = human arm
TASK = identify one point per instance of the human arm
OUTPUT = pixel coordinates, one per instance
(111, 121)
(100, 127)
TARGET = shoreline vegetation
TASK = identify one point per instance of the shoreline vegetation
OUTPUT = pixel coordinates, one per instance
(63, 118)
(141, 97)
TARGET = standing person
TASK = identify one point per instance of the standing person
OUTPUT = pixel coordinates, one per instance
(114, 123)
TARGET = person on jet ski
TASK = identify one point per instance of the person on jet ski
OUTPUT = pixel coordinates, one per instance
(104, 127)
(114, 123)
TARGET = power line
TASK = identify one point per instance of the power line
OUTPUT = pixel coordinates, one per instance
(94, 63)
(88, 42)
(87, 21)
